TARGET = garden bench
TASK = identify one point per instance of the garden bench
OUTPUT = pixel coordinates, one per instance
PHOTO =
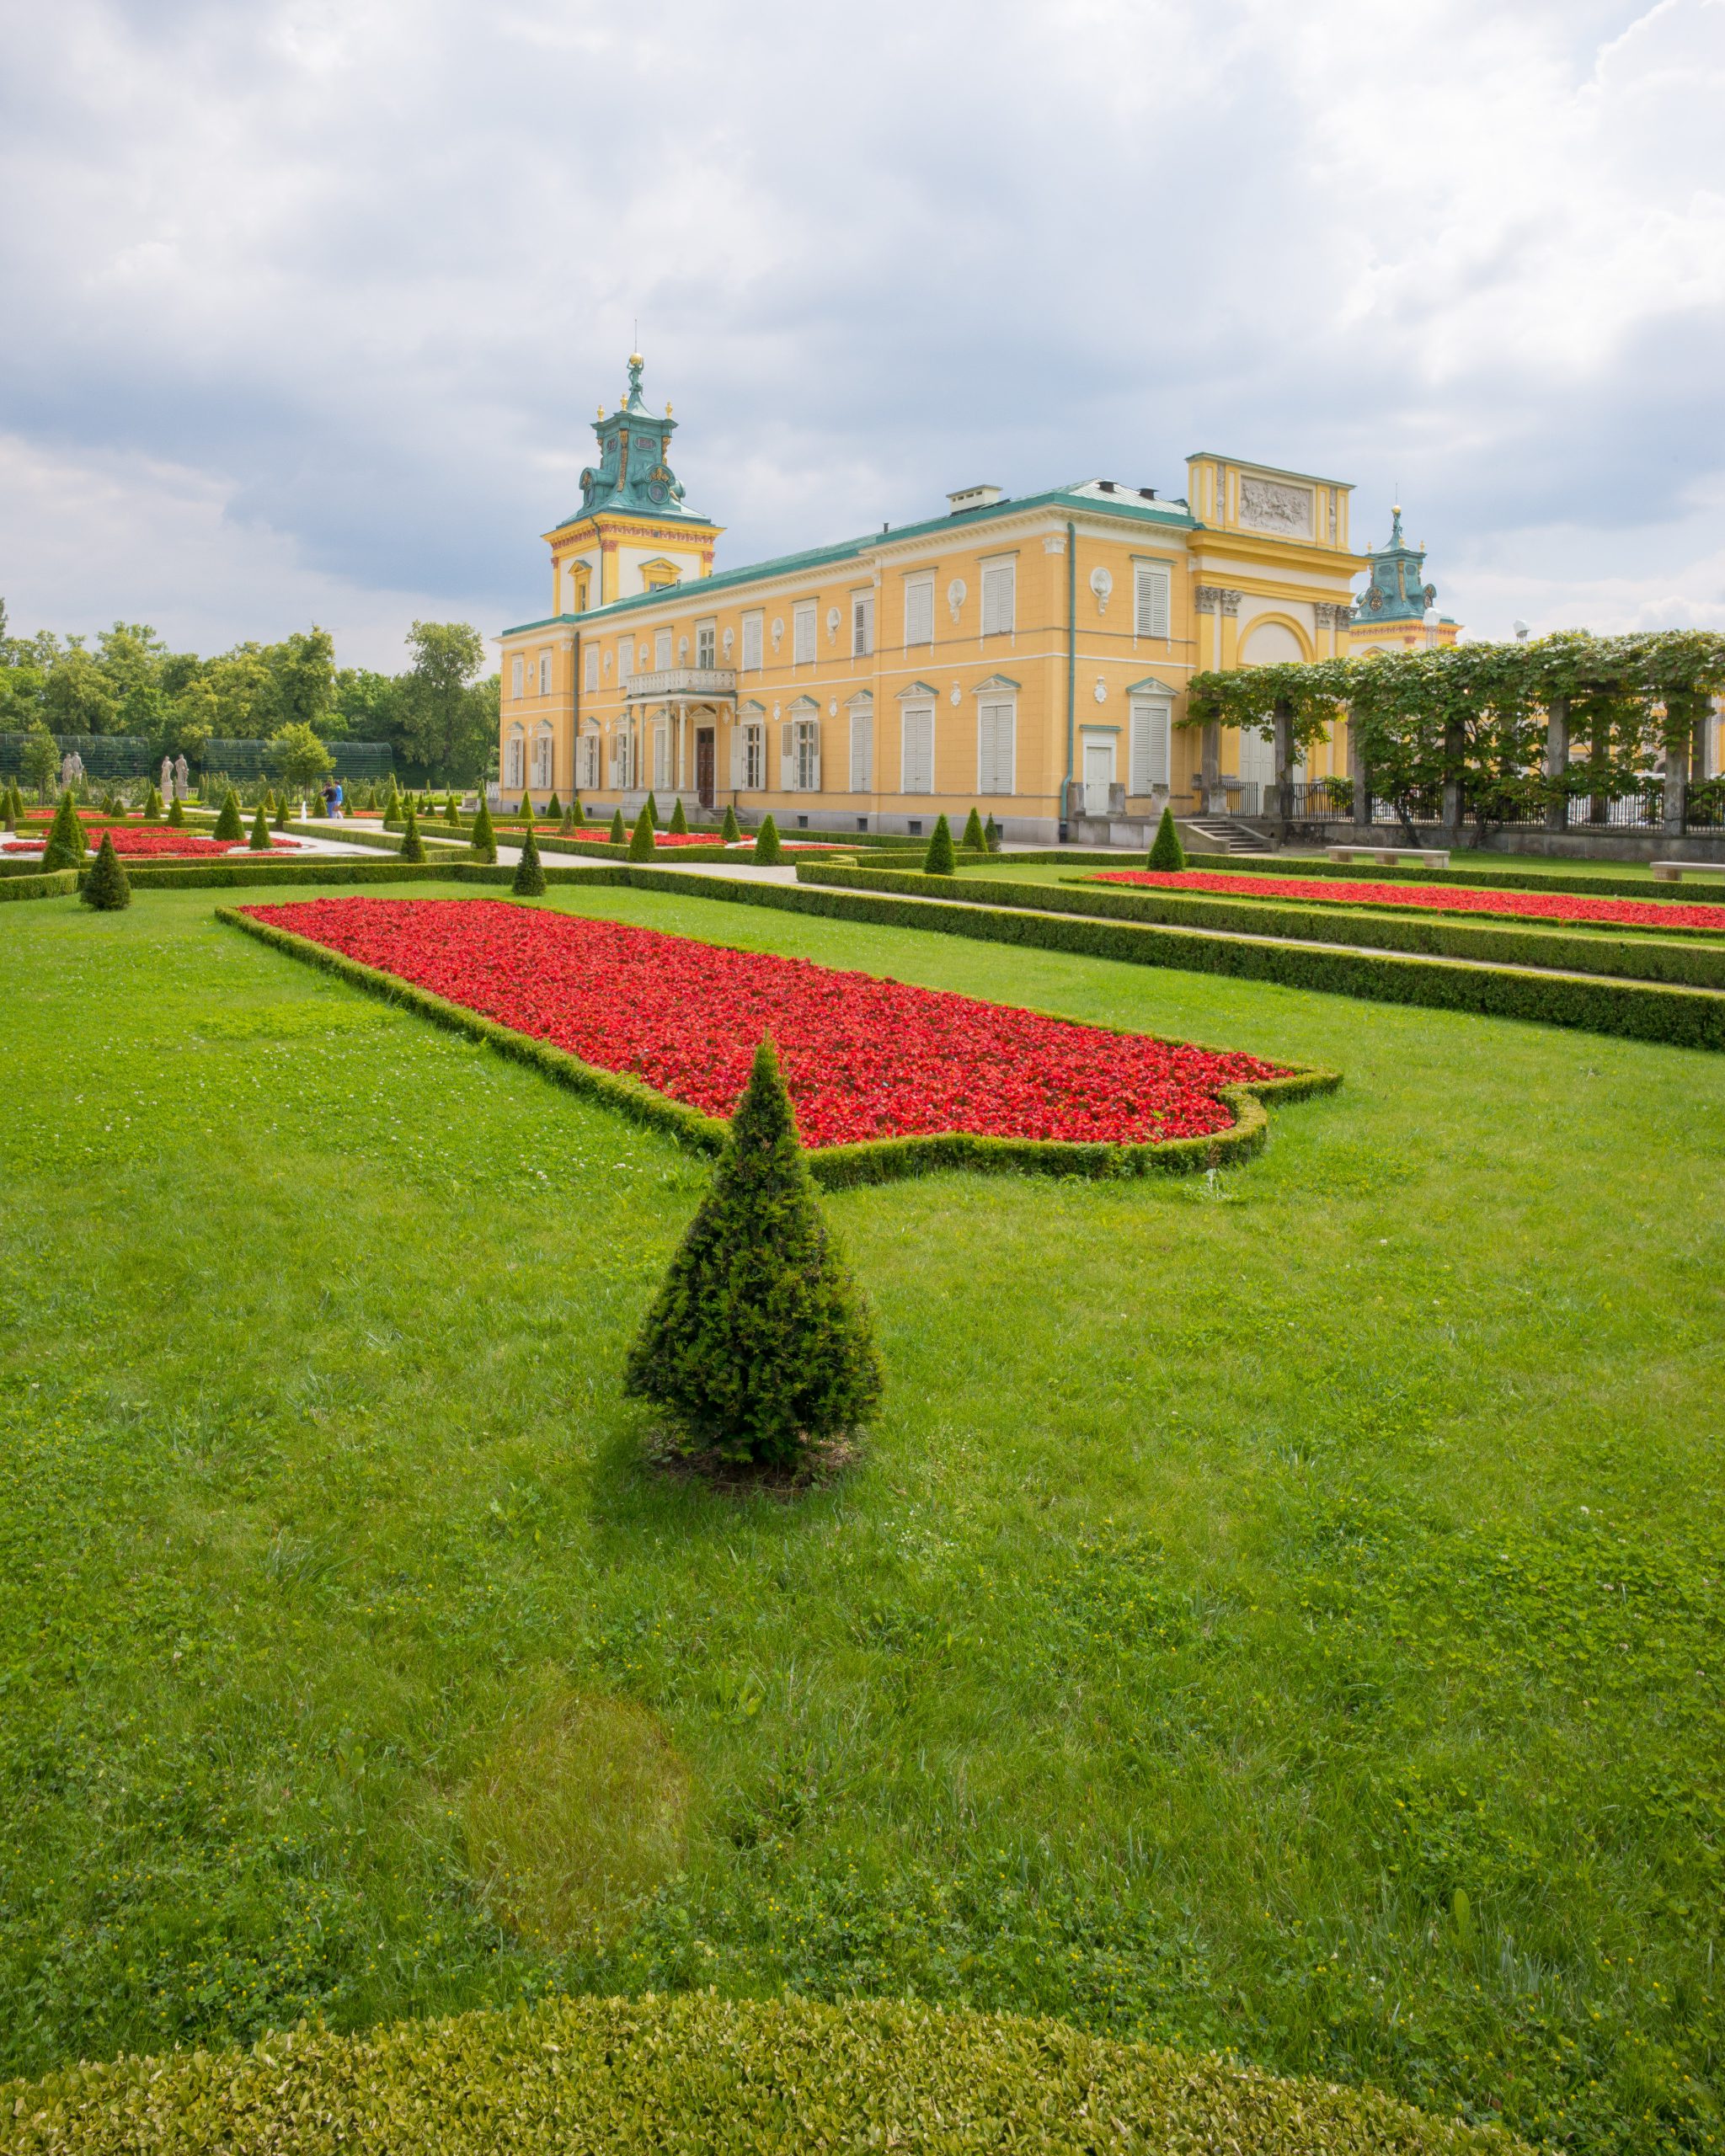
(1389, 856)
(1671, 872)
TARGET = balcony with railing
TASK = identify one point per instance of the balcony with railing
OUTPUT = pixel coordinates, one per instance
(698, 684)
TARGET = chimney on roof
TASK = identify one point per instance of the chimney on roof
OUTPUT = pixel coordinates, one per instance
(972, 498)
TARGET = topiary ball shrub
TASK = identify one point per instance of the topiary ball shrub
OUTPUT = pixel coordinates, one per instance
(730, 830)
(1166, 851)
(412, 847)
(482, 842)
(617, 833)
(106, 887)
(976, 839)
(768, 851)
(940, 860)
(759, 1344)
(258, 838)
(67, 845)
(679, 820)
(529, 881)
(641, 840)
(228, 826)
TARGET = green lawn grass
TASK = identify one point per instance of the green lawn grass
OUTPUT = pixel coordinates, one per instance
(1281, 1611)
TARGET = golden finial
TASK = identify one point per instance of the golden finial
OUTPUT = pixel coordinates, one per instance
(667, 408)
(636, 360)
(601, 411)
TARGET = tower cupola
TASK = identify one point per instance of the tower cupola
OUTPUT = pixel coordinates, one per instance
(633, 470)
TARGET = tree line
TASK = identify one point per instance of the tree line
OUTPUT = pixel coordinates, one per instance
(439, 715)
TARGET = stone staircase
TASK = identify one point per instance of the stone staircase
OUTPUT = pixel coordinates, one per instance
(1221, 834)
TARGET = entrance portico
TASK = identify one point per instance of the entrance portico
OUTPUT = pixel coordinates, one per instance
(684, 707)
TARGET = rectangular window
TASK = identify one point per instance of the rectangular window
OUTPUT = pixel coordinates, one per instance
(706, 644)
(752, 775)
(751, 642)
(862, 624)
(1151, 616)
(517, 674)
(661, 649)
(806, 755)
(998, 578)
(626, 659)
(802, 632)
(545, 673)
(662, 755)
(996, 731)
(916, 765)
(592, 665)
(861, 751)
(1150, 767)
(919, 610)
(589, 780)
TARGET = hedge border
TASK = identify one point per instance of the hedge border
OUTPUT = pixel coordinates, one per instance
(42, 883)
(834, 1167)
(1672, 1017)
(1483, 880)
(243, 873)
(1436, 934)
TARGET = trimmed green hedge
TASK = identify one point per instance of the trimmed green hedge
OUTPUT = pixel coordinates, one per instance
(834, 1167)
(1629, 957)
(40, 884)
(328, 868)
(698, 2075)
(1480, 879)
(1681, 1017)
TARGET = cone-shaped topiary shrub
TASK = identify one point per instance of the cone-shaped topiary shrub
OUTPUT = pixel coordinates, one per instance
(641, 841)
(730, 830)
(482, 842)
(767, 849)
(258, 839)
(577, 812)
(975, 840)
(759, 1343)
(67, 845)
(1166, 850)
(679, 820)
(228, 825)
(524, 813)
(653, 810)
(278, 822)
(991, 836)
(940, 859)
(451, 811)
(106, 888)
(10, 808)
(529, 877)
(176, 813)
(568, 824)
(553, 808)
(617, 833)
(412, 847)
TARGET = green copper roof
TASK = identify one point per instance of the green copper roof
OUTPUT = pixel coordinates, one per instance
(1398, 591)
(633, 471)
(1152, 514)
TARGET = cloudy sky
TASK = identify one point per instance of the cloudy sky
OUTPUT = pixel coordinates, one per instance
(308, 303)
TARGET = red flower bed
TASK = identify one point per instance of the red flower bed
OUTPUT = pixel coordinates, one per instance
(1525, 905)
(863, 1058)
(154, 840)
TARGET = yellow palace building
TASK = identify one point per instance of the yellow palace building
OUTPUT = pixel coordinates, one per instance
(1029, 655)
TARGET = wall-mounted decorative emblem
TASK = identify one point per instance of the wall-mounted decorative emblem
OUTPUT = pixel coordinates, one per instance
(728, 639)
(1271, 505)
(1055, 543)
(955, 695)
(682, 651)
(956, 595)
(832, 624)
(1103, 585)
(832, 707)
(778, 636)
(607, 666)
(1101, 691)
(775, 711)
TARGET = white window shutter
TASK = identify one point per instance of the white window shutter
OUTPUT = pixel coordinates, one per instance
(862, 752)
(815, 764)
(997, 599)
(736, 759)
(1151, 616)
(919, 612)
(592, 666)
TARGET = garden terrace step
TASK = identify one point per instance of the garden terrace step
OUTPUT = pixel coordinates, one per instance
(1222, 834)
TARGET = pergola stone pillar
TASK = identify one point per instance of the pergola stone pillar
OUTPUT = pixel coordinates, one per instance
(1557, 761)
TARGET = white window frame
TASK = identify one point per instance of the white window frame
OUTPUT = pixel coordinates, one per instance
(706, 644)
(626, 660)
(588, 781)
(862, 744)
(754, 641)
(544, 764)
(995, 707)
(805, 632)
(919, 595)
(517, 677)
(911, 713)
(662, 646)
(1150, 755)
(515, 759)
(1000, 620)
(753, 757)
(1152, 600)
(862, 625)
(592, 667)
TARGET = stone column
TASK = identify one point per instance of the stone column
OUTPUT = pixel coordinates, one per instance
(1282, 723)
(1557, 760)
(1360, 777)
(1676, 791)
(1454, 750)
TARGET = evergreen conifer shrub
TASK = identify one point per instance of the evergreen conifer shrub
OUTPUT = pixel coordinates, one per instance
(991, 836)
(641, 844)
(106, 887)
(66, 844)
(482, 843)
(730, 830)
(759, 1343)
(451, 812)
(258, 840)
(976, 839)
(679, 820)
(568, 824)
(412, 847)
(228, 826)
(553, 808)
(578, 813)
(1165, 851)
(940, 859)
(176, 813)
(767, 849)
(525, 811)
(11, 815)
(529, 877)
(617, 833)
(652, 810)
(279, 823)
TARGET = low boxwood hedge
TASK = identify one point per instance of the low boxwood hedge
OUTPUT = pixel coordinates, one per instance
(1580, 884)
(835, 1167)
(698, 2075)
(39, 884)
(326, 868)
(1630, 955)
(1682, 1017)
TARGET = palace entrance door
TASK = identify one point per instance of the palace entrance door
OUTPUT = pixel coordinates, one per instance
(705, 760)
